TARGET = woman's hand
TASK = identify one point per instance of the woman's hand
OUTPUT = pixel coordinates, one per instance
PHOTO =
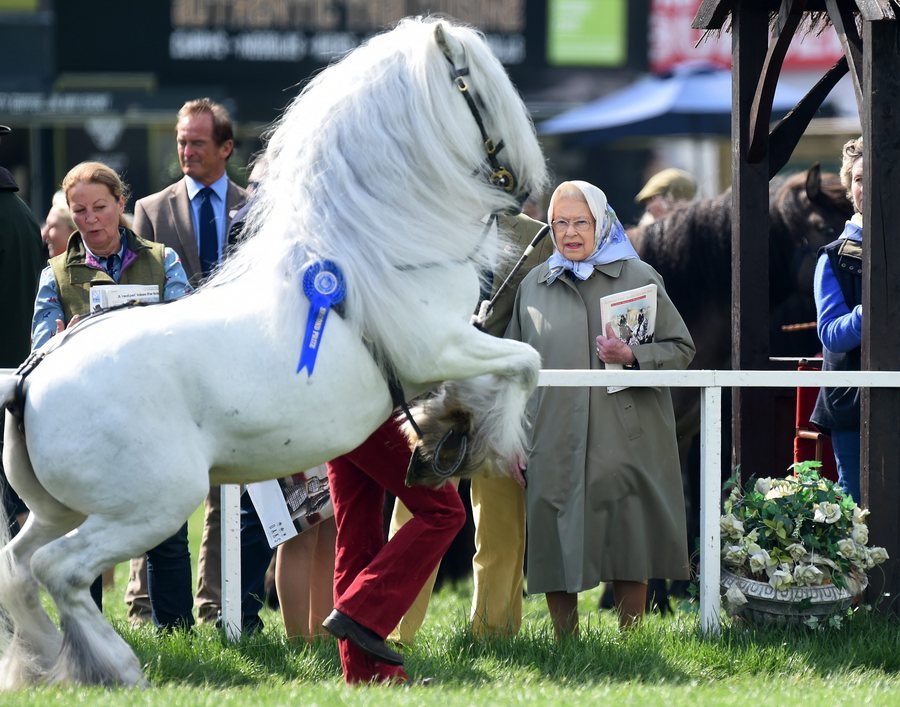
(61, 325)
(611, 349)
(517, 470)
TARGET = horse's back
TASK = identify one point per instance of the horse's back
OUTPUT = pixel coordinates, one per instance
(173, 392)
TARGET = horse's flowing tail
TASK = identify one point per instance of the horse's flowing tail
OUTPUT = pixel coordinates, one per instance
(13, 668)
(10, 678)
(29, 640)
(7, 389)
(7, 392)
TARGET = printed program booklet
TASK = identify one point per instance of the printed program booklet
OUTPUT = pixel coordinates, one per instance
(633, 317)
(106, 296)
(288, 506)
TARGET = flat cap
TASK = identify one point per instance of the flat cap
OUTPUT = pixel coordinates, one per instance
(674, 183)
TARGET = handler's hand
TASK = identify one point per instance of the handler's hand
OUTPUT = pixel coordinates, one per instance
(62, 326)
(611, 349)
(517, 470)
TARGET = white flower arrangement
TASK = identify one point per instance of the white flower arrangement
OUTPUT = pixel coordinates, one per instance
(800, 531)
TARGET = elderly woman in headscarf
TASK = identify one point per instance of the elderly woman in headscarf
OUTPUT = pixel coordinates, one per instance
(604, 496)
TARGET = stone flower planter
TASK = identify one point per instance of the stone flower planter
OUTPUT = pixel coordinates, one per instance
(766, 605)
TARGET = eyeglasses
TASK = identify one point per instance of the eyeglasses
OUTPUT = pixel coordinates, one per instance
(581, 225)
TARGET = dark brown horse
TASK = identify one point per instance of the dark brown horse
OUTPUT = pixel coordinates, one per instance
(691, 249)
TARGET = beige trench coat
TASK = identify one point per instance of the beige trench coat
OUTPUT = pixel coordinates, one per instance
(604, 496)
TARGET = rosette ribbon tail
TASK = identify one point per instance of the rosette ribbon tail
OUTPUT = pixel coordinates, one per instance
(324, 287)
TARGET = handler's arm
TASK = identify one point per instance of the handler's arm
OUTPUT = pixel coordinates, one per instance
(839, 327)
(47, 310)
(177, 284)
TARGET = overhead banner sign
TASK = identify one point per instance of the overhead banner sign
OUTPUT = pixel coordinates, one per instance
(587, 33)
(673, 41)
(269, 46)
(321, 30)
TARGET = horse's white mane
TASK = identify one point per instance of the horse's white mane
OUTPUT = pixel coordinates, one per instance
(379, 163)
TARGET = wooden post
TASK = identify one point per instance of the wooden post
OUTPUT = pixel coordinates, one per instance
(749, 243)
(880, 458)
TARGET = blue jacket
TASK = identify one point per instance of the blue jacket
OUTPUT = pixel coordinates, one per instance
(838, 293)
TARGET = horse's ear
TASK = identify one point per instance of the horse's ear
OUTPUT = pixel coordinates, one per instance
(450, 45)
(814, 181)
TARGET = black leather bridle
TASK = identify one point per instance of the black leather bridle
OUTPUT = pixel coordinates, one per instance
(499, 175)
(502, 177)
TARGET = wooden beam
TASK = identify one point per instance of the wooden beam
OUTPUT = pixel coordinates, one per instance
(785, 136)
(749, 241)
(789, 15)
(845, 25)
(880, 457)
(712, 13)
(877, 10)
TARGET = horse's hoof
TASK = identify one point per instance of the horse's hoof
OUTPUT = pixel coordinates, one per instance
(420, 471)
(449, 458)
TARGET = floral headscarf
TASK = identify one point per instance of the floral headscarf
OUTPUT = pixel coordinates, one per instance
(610, 242)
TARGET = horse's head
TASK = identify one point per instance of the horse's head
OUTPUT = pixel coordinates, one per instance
(807, 211)
(420, 122)
(511, 161)
(386, 163)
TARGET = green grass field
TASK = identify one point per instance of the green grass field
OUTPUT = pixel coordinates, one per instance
(663, 662)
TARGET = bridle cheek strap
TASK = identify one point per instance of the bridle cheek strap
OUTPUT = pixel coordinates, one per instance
(500, 176)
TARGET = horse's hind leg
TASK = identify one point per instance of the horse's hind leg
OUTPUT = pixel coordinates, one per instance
(92, 652)
(33, 641)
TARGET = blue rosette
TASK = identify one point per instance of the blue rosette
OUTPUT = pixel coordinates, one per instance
(324, 287)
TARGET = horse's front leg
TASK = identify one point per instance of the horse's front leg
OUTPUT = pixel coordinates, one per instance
(462, 352)
(475, 423)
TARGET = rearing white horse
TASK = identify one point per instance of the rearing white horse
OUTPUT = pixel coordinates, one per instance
(381, 166)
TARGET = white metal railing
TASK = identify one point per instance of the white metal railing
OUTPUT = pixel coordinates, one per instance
(710, 383)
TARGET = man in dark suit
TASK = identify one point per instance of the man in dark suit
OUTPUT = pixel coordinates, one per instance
(205, 139)
(193, 217)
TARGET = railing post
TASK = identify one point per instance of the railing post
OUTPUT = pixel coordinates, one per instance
(231, 561)
(710, 506)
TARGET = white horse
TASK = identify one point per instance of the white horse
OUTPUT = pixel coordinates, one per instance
(381, 166)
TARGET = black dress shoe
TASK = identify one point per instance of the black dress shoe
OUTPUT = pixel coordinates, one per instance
(342, 626)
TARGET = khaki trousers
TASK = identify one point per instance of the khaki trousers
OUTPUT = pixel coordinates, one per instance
(304, 577)
(498, 508)
(208, 600)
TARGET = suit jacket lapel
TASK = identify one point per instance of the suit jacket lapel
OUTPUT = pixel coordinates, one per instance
(235, 200)
(180, 206)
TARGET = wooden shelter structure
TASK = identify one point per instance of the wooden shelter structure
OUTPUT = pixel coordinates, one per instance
(869, 33)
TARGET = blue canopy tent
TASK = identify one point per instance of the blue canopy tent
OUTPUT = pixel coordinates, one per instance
(694, 99)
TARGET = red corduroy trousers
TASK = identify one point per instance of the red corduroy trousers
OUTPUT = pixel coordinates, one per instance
(375, 582)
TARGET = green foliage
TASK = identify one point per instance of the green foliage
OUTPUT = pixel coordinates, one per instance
(665, 661)
(796, 531)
